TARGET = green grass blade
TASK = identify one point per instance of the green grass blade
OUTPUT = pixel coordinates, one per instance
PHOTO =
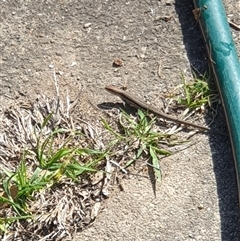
(161, 151)
(58, 155)
(155, 164)
(22, 173)
(106, 126)
(46, 120)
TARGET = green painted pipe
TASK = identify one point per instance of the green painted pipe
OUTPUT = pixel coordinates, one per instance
(225, 64)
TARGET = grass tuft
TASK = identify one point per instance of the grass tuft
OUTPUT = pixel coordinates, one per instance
(198, 94)
(47, 164)
(138, 136)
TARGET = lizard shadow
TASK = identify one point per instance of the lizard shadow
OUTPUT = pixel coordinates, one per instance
(222, 157)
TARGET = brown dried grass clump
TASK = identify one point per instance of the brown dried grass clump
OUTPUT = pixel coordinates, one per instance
(49, 187)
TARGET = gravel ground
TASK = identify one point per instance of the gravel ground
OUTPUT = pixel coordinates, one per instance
(80, 40)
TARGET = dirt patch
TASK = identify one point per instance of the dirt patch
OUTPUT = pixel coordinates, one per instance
(79, 41)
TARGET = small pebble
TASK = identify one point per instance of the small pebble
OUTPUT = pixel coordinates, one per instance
(73, 64)
(87, 25)
(200, 207)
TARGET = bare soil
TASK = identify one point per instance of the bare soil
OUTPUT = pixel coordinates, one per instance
(80, 40)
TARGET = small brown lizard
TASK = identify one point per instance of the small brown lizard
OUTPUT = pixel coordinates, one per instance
(131, 100)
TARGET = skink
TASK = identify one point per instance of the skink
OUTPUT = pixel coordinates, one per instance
(131, 100)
